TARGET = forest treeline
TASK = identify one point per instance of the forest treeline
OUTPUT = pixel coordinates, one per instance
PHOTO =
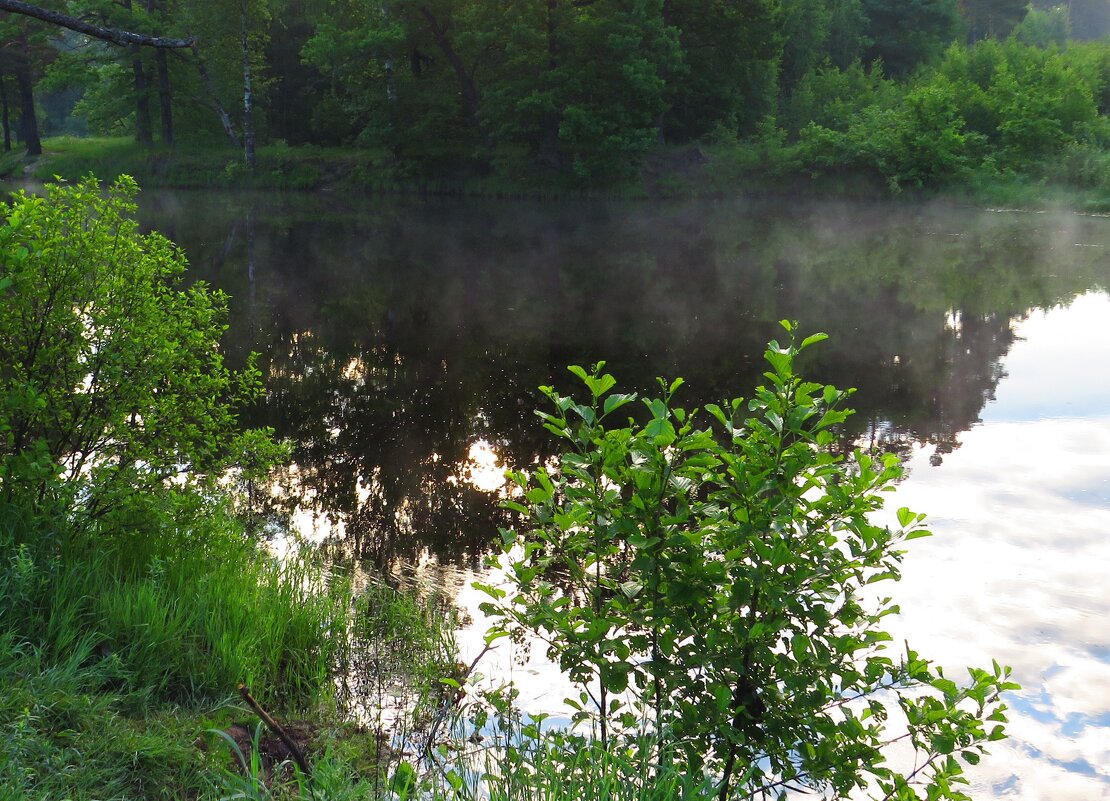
(911, 93)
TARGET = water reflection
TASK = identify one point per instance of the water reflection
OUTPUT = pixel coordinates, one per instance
(396, 336)
(402, 342)
(1018, 568)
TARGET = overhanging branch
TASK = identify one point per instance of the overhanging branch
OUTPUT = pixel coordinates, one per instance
(113, 35)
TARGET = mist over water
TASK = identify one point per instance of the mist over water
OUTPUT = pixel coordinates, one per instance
(402, 343)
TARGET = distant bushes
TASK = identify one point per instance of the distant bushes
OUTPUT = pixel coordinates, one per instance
(1026, 111)
(991, 109)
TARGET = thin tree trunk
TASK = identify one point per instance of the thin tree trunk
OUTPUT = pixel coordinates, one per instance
(467, 89)
(248, 92)
(28, 122)
(213, 98)
(165, 96)
(4, 116)
(142, 99)
(250, 256)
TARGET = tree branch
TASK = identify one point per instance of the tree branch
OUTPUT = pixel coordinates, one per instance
(113, 35)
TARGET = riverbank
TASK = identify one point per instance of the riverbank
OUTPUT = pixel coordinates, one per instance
(145, 624)
(692, 171)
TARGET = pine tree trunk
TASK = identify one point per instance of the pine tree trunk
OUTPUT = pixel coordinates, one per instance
(142, 99)
(141, 87)
(162, 70)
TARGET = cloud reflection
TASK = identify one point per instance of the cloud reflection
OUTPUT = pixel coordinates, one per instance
(1020, 565)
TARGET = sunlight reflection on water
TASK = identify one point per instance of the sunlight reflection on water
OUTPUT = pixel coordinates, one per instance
(406, 403)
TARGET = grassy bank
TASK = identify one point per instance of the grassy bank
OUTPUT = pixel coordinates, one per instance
(279, 166)
(713, 170)
(120, 665)
(189, 165)
(135, 604)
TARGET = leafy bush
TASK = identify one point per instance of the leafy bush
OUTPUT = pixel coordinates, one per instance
(993, 108)
(832, 97)
(118, 435)
(111, 380)
(713, 571)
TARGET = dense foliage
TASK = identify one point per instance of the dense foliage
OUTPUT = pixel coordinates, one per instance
(994, 108)
(714, 572)
(112, 382)
(124, 568)
(584, 92)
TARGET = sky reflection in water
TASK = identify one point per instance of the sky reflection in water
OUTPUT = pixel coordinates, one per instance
(1019, 567)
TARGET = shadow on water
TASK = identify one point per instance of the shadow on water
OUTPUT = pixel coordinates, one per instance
(402, 342)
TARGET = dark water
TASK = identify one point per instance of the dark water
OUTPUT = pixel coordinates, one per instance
(396, 334)
(402, 343)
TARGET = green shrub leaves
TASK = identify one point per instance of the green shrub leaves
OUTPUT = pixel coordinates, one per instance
(707, 569)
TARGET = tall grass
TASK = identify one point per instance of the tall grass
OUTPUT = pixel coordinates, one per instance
(197, 164)
(552, 766)
(187, 620)
(120, 644)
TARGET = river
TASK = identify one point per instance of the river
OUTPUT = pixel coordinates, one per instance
(402, 342)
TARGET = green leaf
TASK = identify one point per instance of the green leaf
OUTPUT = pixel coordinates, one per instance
(631, 588)
(661, 432)
(943, 743)
(537, 495)
(614, 402)
(946, 686)
(615, 676)
(488, 589)
(599, 386)
(493, 635)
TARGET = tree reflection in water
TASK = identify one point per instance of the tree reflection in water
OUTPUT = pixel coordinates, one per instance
(396, 335)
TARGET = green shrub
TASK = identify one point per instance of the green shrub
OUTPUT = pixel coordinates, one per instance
(119, 437)
(989, 110)
(706, 571)
(112, 383)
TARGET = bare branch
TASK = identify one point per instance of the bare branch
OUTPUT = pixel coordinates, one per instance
(113, 35)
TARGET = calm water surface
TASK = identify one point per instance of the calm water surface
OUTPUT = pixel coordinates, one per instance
(401, 344)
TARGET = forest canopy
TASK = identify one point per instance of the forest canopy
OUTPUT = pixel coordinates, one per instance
(917, 92)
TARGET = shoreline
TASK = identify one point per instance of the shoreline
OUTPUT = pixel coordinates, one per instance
(686, 173)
